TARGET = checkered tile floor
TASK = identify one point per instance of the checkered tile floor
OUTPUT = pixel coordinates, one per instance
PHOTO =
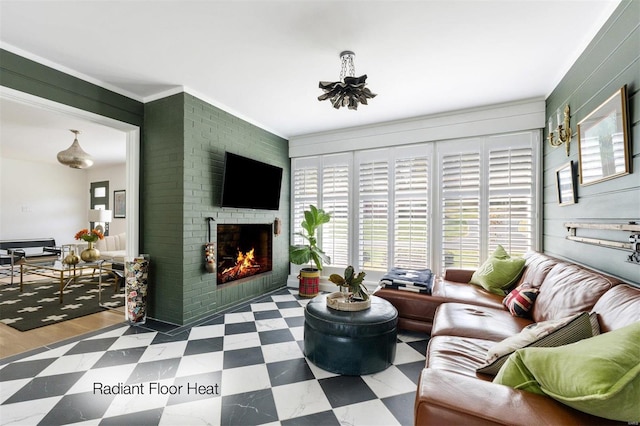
(244, 367)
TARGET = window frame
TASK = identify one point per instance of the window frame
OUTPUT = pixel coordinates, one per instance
(434, 151)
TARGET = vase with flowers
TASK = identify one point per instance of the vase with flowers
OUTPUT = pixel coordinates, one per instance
(90, 254)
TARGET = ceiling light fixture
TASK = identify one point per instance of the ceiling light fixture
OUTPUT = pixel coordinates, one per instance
(74, 156)
(350, 90)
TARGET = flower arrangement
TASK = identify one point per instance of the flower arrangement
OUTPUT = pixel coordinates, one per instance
(90, 237)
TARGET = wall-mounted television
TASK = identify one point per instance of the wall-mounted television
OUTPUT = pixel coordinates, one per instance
(250, 184)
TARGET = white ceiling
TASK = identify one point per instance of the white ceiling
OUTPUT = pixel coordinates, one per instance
(262, 60)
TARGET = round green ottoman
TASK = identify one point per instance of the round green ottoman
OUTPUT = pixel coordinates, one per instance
(350, 343)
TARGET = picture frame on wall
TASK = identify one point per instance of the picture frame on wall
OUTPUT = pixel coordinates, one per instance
(603, 141)
(565, 184)
(120, 204)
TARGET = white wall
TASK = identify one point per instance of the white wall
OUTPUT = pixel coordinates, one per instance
(510, 117)
(40, 200)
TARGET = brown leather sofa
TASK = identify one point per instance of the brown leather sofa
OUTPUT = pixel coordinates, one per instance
(465, 321)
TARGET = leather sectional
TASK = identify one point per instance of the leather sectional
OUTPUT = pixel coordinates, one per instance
(465, 321)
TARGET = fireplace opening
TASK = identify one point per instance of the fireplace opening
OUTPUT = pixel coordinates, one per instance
(244, 250)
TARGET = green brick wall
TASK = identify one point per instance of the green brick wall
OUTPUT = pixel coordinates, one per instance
(184, 143)
(162, 208)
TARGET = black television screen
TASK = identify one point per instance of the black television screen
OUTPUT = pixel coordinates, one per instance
(250, 184)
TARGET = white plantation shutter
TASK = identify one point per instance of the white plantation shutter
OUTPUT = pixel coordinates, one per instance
(487, 197)
(432, 205)
(373, 210)
(411, 212)
(460, 209)
(335, 200)
(305, 187)
(511, 200)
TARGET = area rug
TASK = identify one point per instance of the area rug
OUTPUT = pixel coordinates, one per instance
(39, 303)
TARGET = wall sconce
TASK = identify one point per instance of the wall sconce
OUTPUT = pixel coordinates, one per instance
(563, 130)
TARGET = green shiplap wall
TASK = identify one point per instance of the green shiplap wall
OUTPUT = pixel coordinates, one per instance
(610, 61)
(184, 144)
(27, 76)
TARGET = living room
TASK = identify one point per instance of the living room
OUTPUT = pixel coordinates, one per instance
(177, 196)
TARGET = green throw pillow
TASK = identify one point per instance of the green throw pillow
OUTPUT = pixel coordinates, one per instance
(599, 375)
(499, 272)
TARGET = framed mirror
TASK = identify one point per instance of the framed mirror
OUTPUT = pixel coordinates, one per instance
(565, 179)
(603, 141)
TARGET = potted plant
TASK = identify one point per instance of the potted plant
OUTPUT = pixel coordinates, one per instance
(301, 254)
(356, 298)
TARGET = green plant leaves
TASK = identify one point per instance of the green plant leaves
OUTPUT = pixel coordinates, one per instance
(301, 254)
(337, 279)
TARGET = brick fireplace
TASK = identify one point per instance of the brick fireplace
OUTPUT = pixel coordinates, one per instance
(244, 250)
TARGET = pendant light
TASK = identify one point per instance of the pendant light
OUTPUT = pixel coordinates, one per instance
(74, 156)
(350, 90)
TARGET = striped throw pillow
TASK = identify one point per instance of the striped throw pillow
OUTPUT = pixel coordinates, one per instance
(544, 334)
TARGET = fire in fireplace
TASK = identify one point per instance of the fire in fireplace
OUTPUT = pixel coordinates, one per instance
(244, 250)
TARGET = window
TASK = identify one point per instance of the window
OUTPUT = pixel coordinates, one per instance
(411, 212)
(460, 209)
(324, 182)
(335, 199)
(487, 198)
(510, 200)
(304, 183)
(373, 209)
(438, 205)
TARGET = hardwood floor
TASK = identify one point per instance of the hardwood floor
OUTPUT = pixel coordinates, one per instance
(14, 342)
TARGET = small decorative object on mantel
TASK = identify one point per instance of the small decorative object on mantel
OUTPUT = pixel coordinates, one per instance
(350, 90)
(91, 254)
(209, 250)
(353, 295)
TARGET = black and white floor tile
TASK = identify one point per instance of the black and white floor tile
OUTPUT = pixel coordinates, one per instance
(243, 367)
